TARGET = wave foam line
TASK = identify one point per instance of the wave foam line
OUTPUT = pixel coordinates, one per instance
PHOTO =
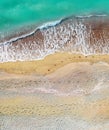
(49, 24)
(84, 36)
(45, 25)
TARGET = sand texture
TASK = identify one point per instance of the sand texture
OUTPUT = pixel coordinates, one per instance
(50, 63)
(61, 92)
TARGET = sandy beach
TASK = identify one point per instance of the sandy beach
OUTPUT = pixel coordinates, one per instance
(62, 90)
(54, 65)
(50, 63)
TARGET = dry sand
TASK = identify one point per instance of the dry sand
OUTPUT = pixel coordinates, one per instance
(50, 63)
(61, 92)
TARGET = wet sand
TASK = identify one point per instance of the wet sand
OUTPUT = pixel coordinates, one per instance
(84, 35)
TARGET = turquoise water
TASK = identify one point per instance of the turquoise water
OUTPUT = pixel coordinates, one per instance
(16, 13)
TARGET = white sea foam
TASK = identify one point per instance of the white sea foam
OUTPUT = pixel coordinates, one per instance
(45, 25)
(50, 24)
(88, 16)
(70, 36)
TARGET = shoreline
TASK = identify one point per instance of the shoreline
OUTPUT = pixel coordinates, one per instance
(63, 86)
(76, 35)
(44, 26)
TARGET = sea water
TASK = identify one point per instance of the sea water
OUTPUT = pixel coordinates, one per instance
(20, 13)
